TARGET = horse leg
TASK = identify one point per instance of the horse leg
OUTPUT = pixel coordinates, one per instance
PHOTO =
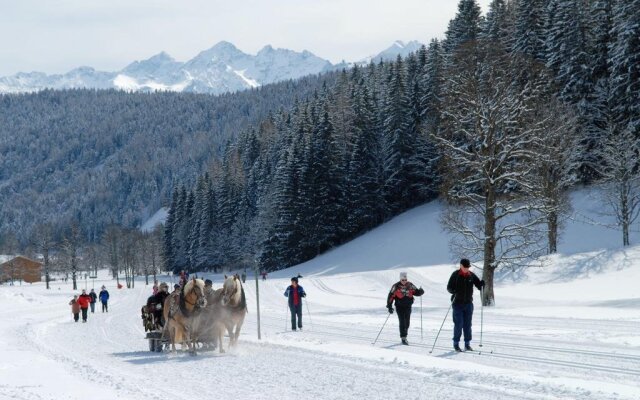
(190, 346)
(218, 336)
(172, 338)
(238, 327)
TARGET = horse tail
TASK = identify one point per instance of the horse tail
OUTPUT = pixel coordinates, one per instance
(243, 300)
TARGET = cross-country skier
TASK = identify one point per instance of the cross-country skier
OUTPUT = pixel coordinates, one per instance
(295, 293)
(402, 292)
(461, 285)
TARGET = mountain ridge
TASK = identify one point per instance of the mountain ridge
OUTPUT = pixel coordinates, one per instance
(220, 69)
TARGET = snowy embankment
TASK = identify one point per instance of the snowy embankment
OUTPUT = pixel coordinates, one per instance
(566, 331)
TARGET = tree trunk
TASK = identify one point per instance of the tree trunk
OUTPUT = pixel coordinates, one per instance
(552, 226)
(624, 213)
(489, 247)
(46, 268)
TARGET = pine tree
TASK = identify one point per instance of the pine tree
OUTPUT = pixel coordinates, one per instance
(529, 28)
(498, 25)
(566, 52)
(598, 111)
(464, 27)
(169, 250)
(432, 83)
(396, 141)
(363, 181)
(625, 67)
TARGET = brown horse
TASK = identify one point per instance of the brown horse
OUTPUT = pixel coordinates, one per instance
(181, 313)
(234, 304)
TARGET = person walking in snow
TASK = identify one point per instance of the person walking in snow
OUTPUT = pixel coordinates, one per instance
(75, 308)
(104, 298)
(295, 293)
(84, 300)
(460, 286)
(402, 292)
(94, 297)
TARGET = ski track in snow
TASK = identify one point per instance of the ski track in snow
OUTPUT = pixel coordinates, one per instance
(330, 359)
(545, 340)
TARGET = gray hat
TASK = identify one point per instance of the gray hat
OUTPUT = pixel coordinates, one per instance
(403, 275)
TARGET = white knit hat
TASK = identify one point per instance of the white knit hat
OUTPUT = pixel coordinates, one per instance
(403, 275)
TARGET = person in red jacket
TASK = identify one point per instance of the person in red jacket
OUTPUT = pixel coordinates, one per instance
(402, 292)
(75, 308)
(84, 300)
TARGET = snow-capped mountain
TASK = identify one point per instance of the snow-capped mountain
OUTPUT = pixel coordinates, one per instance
(220, 69)
(398, 48)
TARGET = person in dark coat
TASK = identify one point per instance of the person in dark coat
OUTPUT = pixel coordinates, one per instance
(156, 302)
(460, 286)
(75, 308)
(402, 292)
(295, 293)
(94, 298)
(84, 300)
(104, 298)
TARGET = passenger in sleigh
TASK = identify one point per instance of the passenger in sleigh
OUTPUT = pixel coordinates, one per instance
(153, 320)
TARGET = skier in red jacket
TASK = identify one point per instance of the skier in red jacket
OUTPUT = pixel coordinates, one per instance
(84, 300)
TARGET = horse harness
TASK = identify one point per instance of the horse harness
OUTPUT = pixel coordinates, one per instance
(181, 305)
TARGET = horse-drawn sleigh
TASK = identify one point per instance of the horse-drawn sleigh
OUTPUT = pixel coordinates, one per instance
(195, 316)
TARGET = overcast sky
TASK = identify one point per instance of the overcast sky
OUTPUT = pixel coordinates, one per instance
(55, 36)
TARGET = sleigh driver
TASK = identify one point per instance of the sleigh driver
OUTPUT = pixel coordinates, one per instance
(152, 312)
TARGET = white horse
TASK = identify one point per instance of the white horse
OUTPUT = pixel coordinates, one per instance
(213, 320)
(182, 314)
(235, 306)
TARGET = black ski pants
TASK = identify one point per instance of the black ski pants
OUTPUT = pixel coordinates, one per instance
(296, 311)
(404, 318)
(84, 314)
(105, 307)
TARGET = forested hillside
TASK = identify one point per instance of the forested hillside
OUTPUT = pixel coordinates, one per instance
(501, 118)
(111, 157)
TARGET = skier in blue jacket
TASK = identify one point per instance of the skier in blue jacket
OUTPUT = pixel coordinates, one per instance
(295, 293)
(104, 297)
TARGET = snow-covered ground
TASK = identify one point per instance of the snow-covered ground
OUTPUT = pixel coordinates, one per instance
(566, 331)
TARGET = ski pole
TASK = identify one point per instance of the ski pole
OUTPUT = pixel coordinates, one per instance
(286, 314)
(421, 336)
(481, 312)
(309, 314)
(445, 318)
(385, 322)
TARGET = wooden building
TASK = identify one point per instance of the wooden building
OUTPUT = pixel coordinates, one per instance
(20, 268)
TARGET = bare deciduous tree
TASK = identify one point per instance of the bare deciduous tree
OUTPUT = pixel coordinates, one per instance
(45, 243)
(555, 165)
(71, 243)
(620, 176)
(489, 140)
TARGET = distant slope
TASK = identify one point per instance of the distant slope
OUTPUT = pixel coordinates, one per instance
(104, 157)
(415, 239)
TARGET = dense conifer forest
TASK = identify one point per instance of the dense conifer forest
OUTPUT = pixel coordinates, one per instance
(499, 119)
(101, 157)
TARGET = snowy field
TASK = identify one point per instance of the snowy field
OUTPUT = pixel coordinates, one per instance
(567, 331)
